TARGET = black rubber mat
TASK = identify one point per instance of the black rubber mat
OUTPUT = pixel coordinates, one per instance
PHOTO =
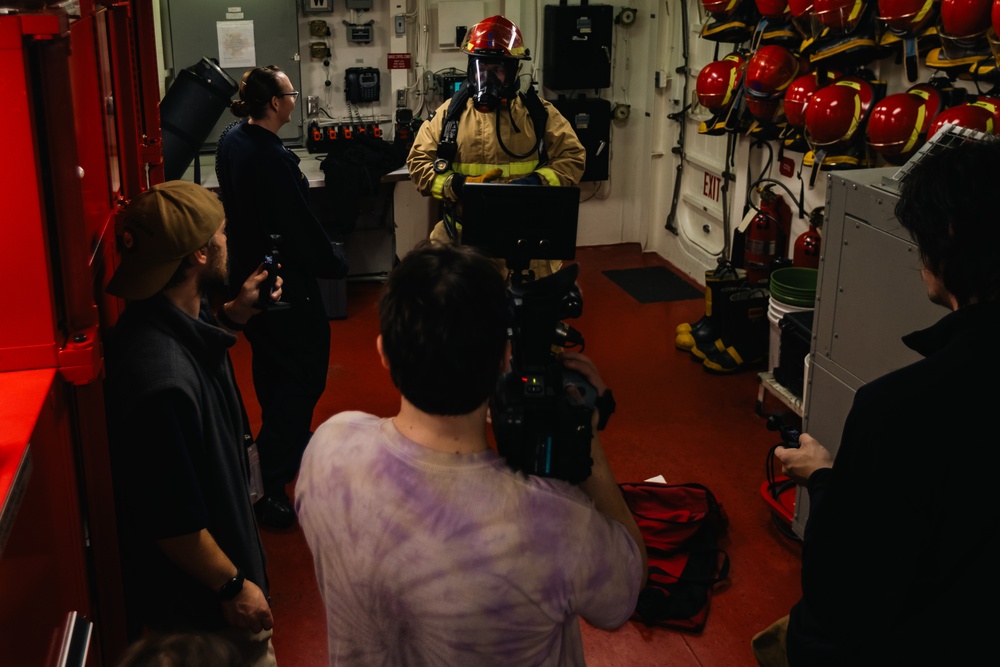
(650, 284)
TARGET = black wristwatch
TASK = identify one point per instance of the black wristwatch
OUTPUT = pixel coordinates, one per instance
(232, 588)
(605, 404)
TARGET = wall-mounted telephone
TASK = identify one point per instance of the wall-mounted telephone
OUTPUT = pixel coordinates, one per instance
(361, 84)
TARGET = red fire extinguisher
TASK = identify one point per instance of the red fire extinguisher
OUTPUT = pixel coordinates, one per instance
(807, 246)
(761, 243)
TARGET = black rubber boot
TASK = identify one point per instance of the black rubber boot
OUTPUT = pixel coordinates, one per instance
(744, 344)
(723, 279)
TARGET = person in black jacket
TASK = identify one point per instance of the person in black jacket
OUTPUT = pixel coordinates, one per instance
(192, 558)
(265, 193)
(903, 527)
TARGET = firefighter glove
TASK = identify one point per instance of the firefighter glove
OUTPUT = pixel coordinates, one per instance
(458, 181)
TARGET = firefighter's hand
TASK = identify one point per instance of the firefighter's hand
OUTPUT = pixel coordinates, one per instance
(488, 177)
(458, 181)
(530, 179)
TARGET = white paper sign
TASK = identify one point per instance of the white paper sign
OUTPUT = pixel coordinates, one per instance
(236, 44)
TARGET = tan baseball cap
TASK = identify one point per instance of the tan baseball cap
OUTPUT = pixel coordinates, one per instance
(160, 228)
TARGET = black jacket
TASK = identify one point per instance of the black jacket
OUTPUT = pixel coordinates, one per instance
(264, 193)
(178, 459)
(904, 530)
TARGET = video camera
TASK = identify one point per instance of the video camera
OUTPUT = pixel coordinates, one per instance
(540, 427)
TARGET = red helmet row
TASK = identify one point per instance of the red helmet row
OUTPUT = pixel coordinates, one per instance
(902, 122)
(764, 76)
(801, 90)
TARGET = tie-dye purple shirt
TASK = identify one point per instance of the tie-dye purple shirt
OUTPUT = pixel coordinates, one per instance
(430, 558)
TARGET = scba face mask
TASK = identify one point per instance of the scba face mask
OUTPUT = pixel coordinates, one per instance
(492, 80)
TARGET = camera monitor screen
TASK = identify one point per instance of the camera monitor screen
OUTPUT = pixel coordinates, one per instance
(520, 222)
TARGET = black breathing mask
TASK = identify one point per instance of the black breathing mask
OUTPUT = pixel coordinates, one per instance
(492, 80)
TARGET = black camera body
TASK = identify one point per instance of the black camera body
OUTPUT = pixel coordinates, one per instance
(540, 427)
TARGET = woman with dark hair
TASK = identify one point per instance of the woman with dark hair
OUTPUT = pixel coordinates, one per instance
(266, 199)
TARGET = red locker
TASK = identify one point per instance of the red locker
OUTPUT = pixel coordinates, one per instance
(82, 139)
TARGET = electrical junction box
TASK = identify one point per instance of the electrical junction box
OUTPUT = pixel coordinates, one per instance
(360, 33)
(454, 19)
(591, 120)
(577, 46)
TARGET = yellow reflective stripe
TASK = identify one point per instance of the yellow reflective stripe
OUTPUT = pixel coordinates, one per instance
(549, 175)
(923, 11)
(912, 141)
(856, 10)
(855, 119)
(513, 170)
(437, 186)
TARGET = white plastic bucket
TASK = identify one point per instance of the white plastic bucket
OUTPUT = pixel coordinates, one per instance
(775, 311)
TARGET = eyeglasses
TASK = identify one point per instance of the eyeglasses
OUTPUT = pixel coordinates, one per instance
(294, 93)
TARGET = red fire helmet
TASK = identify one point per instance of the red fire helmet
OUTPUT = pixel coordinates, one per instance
(717, 82)
(993, 36)
(800, 8)
(905, 16)
(836, 111)
(842, 15)
(992, 103)
(799, 92)
(932, 98)
(973, 115)
(772, 9)
(897, 126)
(720, 8)
(801, 11)
(497, 37)
(770, 71)
(965, 18)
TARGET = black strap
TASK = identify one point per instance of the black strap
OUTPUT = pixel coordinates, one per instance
(448, 141)
(539, 118)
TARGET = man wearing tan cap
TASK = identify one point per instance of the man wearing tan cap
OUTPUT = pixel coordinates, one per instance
(192, 558)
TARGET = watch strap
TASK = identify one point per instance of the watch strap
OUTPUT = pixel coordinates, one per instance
(232, 588)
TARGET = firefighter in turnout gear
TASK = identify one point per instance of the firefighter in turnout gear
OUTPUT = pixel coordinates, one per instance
(490, 131)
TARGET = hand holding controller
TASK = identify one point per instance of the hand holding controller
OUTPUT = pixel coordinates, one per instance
(271, 264)
(789, 436)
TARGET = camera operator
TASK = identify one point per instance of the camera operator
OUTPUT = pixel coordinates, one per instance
(903, 522)
(428, 547)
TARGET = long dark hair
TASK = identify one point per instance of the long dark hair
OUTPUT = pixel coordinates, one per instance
(258, 87)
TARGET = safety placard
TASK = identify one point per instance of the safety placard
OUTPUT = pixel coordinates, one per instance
(398, 61)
